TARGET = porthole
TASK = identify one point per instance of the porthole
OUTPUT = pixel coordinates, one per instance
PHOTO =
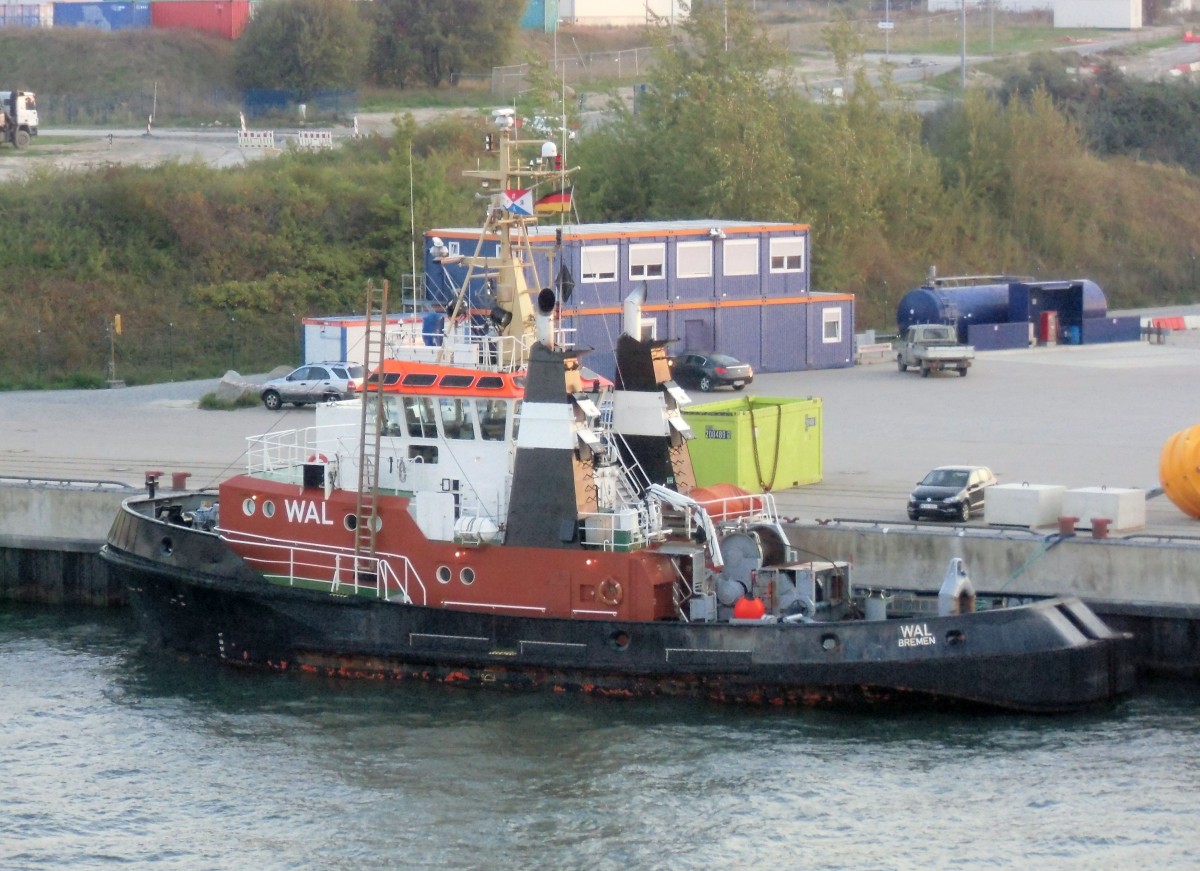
(619, 640)
(268, 508)
(830, 642)
(444, 574)
(955, 636)
(166, 547)
(248, 507)
(350, 521)
(467, 575)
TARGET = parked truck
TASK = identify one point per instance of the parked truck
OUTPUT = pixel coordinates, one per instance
(19, 120)
(931, 348)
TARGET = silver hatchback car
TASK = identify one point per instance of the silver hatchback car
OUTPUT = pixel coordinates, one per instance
(312, 383)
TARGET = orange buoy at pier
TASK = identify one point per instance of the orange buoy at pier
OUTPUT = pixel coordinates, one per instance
(1179, 470)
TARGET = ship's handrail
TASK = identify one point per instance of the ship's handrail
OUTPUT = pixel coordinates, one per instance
(486, 352)
(282, 451)
(343, 561)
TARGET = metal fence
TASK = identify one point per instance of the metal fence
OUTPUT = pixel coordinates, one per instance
(630, 63)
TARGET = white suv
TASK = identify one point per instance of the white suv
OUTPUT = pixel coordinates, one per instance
(312, 383)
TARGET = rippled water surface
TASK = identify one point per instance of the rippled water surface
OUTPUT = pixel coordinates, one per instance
(110, 757)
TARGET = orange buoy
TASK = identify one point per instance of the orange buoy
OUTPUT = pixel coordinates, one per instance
(749, 609)
(1179, 470)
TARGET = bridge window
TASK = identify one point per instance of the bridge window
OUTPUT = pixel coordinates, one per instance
(419, 416)
(493, 416)
(456, 418)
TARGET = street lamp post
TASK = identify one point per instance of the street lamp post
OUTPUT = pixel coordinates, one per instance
(963, 72)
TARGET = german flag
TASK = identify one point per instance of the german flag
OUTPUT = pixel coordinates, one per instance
(555, 203)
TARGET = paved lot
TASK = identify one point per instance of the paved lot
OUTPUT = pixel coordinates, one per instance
(1076, 416)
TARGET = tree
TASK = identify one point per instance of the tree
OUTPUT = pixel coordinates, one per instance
(303, 46)
(706, 137)
(435, 40)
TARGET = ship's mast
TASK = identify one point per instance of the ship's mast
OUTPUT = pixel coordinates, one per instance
(512, 189)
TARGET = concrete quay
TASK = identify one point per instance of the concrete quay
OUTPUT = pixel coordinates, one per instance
(1077, 416)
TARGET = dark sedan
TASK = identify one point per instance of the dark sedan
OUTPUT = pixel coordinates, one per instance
(708, 371)
(951, 491)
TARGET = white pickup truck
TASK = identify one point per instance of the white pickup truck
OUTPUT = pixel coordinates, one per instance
(931, 348)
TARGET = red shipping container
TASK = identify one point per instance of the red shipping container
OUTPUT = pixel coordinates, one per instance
(225, 18)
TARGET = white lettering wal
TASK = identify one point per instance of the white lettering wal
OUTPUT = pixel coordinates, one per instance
(916, 635)
(306, 511)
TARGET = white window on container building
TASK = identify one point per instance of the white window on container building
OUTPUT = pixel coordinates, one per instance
(787, 254)
(598, 264)
(647, 261)
(693, 259)
(831, 325)
(741, 257)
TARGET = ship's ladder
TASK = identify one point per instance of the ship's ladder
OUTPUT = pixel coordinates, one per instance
(370, 426)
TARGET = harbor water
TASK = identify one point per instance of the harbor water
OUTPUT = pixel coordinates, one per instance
(113, 757)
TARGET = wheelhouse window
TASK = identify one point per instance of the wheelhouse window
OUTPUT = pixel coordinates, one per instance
(693, 260)
(787, 254)
(419, 417)
(741, 257)
(456, 418)
(647, 261)
(598, 264)
(493, 417)
(831, 325)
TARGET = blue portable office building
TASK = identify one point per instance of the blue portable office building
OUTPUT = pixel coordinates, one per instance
(737, 287)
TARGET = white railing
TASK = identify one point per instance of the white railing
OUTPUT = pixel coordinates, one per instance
(283, 454)
(460, 347)
(337, 567)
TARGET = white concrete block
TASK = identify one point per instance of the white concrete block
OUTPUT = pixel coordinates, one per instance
(1125, 508)
(1024, 504)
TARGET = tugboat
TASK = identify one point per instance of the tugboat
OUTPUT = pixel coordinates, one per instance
(491, 514)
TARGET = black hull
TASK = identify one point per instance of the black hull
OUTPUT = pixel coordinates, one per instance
(1046, 658)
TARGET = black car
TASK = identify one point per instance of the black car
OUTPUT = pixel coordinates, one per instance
(707, 371)
(950, 491)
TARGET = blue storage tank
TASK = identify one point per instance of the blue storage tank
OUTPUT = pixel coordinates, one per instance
(974, 304)
(1000, 302)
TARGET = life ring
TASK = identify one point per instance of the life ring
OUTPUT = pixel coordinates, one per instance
(610, 592)
(318, 458)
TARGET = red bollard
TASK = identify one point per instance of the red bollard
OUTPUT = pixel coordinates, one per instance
(179, 480)
(1066, 525)
(1100, 527)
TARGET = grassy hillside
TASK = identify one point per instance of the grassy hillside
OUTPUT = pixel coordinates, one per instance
(87, 76)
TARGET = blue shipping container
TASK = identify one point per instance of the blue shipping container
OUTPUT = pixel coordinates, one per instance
(103, 16)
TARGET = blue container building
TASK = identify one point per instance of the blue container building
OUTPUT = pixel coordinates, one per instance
(737, 287)
(103, 16)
